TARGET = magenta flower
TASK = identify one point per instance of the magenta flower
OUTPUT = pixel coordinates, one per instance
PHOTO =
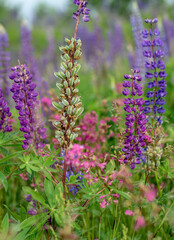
(129, 212)
(140, 222)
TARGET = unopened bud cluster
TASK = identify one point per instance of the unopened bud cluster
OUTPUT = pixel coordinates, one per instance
(69, 105)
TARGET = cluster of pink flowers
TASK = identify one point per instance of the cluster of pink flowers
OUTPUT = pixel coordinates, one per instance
(104, 203)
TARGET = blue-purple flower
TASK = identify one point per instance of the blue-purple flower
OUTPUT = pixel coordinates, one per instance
(135, 136)
(25, 97)
(83, 10)
(155, 71)
(4, 114)
(4, 61)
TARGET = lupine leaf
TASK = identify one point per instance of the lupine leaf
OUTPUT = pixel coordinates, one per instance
(49, 191)
(32, 220)
(35, 195)
(38, 225)
(11, 156)
(12, 213)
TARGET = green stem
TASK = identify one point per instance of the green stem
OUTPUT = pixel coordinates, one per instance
(162, 221)
(158, 184)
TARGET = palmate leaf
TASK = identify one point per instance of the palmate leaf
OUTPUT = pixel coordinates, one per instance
(32, 220)
(49, 191)
(22, 234)
(15, 216)
(15, 154)
(38, 226)
(36, 196)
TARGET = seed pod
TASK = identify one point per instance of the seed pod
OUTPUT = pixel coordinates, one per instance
(72, 124)
(78, 105)
(67, 57)
(79, 41)
(73, 40)
(60, 141)
(67, 48)
(59, 105)
(70, 109)
(77, 81)
(59, 133)
(71, 137)
(77, 54)
(60, 75)
(65, 102)
(68, 74)
(59, 85)
(73, 71)
(76, 90)
(68, 91)
(65, 122)
(63, 66)
(78, 45)
(65, 83)
(79, 111)
(71, 46)
(78, 67)
(70, 65)
(74, 100)
(68, 132)
(63, 118)
(71, 81)
(67, 40)
(75, 111)
(62, 49)
(76, 129)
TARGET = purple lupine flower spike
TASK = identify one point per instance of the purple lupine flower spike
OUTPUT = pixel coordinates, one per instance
(137, 27)
(84, 11)
(155, 71)
(135, 119)
(4, 114)
(4, 61)
(25, 97)
(30, 60)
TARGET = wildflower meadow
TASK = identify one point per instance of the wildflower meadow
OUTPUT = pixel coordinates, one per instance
(87, 121)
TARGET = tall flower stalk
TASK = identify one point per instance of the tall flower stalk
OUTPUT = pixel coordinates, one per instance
(4, 61)
(135, 134)
(4, 114)
(155, 73)
(25, 97)
(69, 104)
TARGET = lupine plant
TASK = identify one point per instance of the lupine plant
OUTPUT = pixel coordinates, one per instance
(107, 175)
(4, 61)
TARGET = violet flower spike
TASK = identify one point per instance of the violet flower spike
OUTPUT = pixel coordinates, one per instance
(25, 97)
(155, 72)
(4, 61)
(135, 120)
(83, 10)
(4, 114)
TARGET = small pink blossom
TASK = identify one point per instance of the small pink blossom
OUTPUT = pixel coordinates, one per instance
(150, 194)
(101, 165)
(46, 101)
(129, 212)
(24, 176)
(121, 160)
(140, 222)
(103, 203)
